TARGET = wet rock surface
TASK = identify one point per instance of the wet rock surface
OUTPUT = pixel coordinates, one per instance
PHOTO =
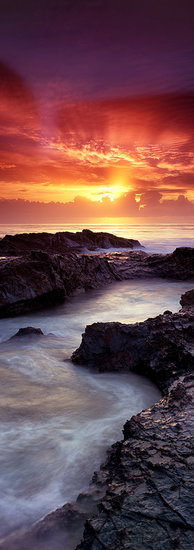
(149, 501)
(40, 279)
(160, 348)
(149, 498)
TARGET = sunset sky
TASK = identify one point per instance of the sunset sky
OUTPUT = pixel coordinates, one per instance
(96, 108)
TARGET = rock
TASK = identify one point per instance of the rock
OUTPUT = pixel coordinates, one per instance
(149, 498)
(27, 331)
(144, 490)
(187, 300)
(40, 279)
(159, 348)
(62, 242)
(149, 475)
(29, 284)
(178, 265)
(59, 530)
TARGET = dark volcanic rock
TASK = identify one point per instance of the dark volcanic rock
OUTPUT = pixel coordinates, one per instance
(159, 347)
(27, 284)
(149, 497)
(62, 242)
(41, 280)
(178, 265)
(149, 475)
(187, 300)
(27, 331)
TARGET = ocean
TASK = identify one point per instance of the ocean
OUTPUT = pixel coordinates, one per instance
(156, 237)
(58, 419)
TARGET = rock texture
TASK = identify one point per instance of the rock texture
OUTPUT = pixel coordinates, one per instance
(160, 348)
(187, 300)
(149, 498)
(149, 501)
(40, 279)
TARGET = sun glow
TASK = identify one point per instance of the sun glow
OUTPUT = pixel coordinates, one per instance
(107, 197)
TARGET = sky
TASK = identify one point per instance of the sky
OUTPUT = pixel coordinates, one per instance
(96, 109)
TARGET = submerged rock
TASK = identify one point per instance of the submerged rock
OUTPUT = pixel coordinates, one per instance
(27, 331)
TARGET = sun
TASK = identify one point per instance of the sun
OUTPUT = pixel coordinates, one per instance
(115, 192)
(107, 197)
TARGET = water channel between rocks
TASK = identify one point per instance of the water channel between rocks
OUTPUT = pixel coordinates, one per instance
(57, 419)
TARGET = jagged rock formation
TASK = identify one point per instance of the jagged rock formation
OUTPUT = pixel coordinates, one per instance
(159, 348)
(40, 279)
(149, 498)
(149, 475)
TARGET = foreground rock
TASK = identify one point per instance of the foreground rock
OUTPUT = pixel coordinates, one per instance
(161, 348)
(144, 491)
(62, 242)
(40, 279)
(149, 502)
(59, 530)
(150, 493)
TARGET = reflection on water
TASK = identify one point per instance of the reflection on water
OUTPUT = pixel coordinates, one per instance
(57, 419)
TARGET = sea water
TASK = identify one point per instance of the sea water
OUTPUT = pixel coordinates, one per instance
(58, 419)
(155, 237)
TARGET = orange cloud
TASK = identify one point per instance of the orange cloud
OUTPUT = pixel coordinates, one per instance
(81, 208)
(94, 149)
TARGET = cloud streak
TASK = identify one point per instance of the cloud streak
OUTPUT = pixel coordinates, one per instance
(126, 206)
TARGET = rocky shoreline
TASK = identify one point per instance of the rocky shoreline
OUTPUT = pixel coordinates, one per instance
(142, 497)
(149, 475)
(63, 242)
(41, 270)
